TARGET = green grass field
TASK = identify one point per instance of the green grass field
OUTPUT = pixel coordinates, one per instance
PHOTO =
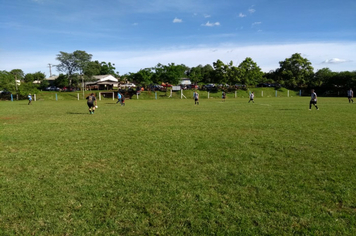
(168, 167)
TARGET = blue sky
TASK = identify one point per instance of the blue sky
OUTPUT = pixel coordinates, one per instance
(137, 34)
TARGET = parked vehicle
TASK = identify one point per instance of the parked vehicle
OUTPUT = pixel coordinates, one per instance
(127, 85)
(269, 85)
(240, 86)
(4, 92)
(71, 89)
(192, 86)
(52, 88)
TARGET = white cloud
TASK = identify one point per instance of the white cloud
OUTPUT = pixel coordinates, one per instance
(176, 20)
(251, 10)
(242, 15)
(267, 56)
(207, 16)
(335, 61)
(256, 23)
(211, 24)
(135, 24)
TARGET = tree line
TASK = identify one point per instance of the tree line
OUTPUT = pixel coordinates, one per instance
(295, 72)
(74, 68)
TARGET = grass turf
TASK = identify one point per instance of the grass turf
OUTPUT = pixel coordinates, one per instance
(170, 167)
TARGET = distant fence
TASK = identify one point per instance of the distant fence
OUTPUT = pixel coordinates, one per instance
(261, 92)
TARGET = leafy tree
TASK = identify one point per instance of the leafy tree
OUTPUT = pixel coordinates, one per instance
(7, 82)
(249, 73)
(321, 77)
(220, 72)
(170, 73)
(208, 74)
(174, 73)
(90, 69)
(29, 78)
(195, 74)
(270, 77)
(201, 73)
(296, 71)
(44, 84)
(38, 76)
(143, 76)
(26, 88)
(18, 73)
(62, 81)
(72, 62)
(107, 69)
(234, 75)
(344, 79)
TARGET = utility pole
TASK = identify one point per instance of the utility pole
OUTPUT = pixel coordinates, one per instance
(50, 71)
(83, 85)
(17, 93)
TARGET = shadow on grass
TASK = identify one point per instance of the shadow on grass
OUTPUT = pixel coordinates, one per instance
(111, 103)
(77, 113)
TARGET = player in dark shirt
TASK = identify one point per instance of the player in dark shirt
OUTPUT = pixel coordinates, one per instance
(91, 101)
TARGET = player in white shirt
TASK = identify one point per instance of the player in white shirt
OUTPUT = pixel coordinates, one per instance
(196, 97)
(350, 95)
(29, 99)
(252, 96)
(313, 100)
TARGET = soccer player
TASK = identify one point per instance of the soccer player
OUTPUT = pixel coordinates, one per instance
(350, 95)
(223, 96)
(196, 97)
(29, 99)
(252, 96)
(118, 98)
(91, 100)
(122, 100)
(313, 100)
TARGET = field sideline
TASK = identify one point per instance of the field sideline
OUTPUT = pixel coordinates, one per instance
(169, 167)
